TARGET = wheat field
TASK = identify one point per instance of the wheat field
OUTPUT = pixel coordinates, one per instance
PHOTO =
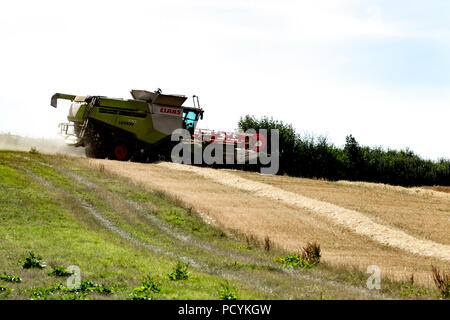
(403, 231)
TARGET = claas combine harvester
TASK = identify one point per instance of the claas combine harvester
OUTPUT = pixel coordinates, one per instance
(140, 129)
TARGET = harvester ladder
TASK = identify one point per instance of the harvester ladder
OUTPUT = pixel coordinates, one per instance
(86, 121)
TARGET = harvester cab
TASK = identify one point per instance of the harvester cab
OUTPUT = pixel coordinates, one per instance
(121, 129)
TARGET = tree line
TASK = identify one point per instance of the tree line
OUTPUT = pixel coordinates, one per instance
(316, 157)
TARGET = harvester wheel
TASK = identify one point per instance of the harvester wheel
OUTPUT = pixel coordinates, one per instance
(120, 151)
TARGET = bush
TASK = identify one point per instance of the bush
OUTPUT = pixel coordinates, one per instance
(60, 271)
(33, 261)
(180, 272)
(41, 293)
(86, 287)
(149, 284)
(308, 258)
(226, 293)
(10, 278)
(90, 286)
(295, 261)
(146, 290)
(175, 218)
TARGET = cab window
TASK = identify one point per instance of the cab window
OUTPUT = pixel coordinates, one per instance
(189, 118)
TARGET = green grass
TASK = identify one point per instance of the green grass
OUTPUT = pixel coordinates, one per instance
(49, 218)
(45, 222)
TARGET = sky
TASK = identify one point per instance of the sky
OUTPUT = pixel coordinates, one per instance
(379, 70)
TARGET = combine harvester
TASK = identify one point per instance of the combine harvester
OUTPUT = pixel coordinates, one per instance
(140, 129)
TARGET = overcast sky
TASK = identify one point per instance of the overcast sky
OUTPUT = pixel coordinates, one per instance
(379, 70)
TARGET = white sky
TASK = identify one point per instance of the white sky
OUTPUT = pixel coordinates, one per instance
(379, 70)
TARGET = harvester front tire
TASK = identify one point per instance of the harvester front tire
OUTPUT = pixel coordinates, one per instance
(120, 151)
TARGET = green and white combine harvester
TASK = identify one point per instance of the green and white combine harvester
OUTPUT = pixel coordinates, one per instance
(139, 129)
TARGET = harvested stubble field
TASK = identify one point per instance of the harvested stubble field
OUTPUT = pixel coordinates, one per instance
(402, 230)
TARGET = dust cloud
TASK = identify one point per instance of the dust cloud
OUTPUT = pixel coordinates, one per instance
(49, 145)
